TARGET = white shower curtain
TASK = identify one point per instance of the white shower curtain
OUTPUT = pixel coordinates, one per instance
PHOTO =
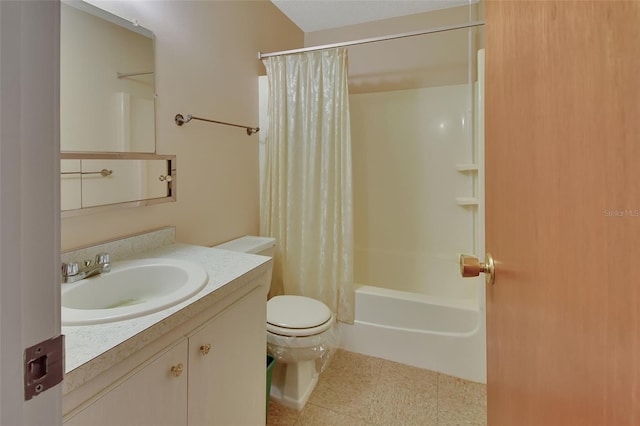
(306, 193)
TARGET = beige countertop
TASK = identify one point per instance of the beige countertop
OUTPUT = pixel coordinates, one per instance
(92, 349)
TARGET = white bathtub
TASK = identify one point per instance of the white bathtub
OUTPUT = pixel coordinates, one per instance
(443, 335)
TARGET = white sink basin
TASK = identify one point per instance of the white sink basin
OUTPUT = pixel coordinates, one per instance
(132, 289)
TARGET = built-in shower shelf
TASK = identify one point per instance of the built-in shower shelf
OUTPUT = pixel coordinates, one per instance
(467, 201)
(467, 168)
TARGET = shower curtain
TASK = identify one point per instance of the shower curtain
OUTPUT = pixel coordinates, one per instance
(306, 192)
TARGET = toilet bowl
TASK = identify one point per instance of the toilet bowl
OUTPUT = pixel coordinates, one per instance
(300, 334)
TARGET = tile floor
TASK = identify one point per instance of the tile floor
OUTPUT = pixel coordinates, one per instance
(359, 390)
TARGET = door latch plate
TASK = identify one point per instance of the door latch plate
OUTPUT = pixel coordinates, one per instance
(43, 366)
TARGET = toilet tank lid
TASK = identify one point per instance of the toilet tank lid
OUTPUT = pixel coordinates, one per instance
(248, 244)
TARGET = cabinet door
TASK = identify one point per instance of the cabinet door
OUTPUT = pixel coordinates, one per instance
(227, 382)
(154, 395)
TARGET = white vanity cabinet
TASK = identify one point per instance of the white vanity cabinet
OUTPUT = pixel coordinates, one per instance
(150, 395)
(214, 373)
(227, 366)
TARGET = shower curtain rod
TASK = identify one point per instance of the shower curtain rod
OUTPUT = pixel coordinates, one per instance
(373, 39)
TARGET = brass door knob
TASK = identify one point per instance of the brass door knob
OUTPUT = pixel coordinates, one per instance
(204, 349)
(176, 370)
(470, 266)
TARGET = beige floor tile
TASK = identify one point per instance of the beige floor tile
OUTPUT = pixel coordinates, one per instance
(397, 405)
(354, 363)
(312, 415)
(360, 390)
(345, 394)
(461, 402)
(416, 379)
(348, 383)
(404, 395)
(279, 415)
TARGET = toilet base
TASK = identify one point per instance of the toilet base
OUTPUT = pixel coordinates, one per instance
(292, 383)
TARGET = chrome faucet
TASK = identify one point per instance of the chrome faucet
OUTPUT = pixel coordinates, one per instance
(72, 272)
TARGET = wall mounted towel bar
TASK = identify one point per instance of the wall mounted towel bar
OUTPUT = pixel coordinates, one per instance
(180, 120)
(132, 74)
(103, 172)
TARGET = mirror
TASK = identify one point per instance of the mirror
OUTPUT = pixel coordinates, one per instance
(94, 182)
(107, 93)
(107, 114)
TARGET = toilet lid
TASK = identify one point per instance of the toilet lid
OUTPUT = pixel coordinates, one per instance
(297, 316)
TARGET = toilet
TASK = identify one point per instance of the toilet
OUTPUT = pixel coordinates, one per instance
(300, 334)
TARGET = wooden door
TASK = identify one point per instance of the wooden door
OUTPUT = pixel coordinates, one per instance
(563, 212)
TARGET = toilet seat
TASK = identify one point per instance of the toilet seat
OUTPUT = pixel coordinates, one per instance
(297, 316)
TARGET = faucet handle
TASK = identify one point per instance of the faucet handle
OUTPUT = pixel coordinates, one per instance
(70, 269)
(102, 258)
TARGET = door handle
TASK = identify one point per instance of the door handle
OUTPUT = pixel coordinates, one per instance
(470, 266)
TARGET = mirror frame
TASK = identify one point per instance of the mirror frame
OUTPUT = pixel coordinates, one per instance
(172, 186)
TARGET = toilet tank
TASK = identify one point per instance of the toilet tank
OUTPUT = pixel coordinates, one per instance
(264, 246)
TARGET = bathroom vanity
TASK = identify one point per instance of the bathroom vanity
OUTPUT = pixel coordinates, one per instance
(199, 362)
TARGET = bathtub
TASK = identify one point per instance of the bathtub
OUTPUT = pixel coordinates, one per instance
(439, 334)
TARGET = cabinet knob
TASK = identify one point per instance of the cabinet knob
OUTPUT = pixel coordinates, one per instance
(176, 370)
(204, 349)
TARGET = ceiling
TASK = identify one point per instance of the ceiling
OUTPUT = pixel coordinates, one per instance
(315, 15)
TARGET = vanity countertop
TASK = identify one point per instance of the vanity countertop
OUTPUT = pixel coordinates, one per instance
(92, 349)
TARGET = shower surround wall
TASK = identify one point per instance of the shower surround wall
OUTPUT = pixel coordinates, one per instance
(414, 182)
(408, 224)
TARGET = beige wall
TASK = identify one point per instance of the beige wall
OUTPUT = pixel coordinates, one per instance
(408, 63)
(206, 65)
